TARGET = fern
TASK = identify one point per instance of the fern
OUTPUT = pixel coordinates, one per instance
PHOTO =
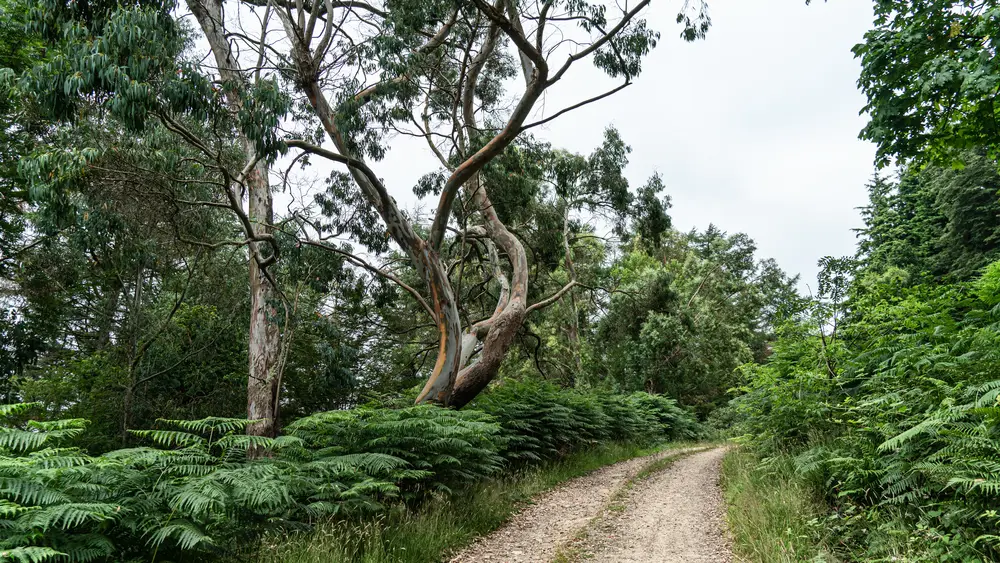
(192, 489)
(31, 554)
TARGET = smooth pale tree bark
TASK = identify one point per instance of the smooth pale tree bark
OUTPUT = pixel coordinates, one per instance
(264, 376)
(498, 332)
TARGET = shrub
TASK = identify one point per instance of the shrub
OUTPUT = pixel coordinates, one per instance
(542, 421)
(443, 448)
(196, 489)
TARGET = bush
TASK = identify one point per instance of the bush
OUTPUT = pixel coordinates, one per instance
(541, 421)
(195, 489)
(443, 448)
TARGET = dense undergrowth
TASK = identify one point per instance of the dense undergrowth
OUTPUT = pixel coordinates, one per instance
(439, 526)
(896, 426)
(194, 490)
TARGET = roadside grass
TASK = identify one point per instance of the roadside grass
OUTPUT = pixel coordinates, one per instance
(440, 526)
(773, 514)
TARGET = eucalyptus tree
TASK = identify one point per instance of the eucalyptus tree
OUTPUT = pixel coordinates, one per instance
(126, 67)
(442, 79)
(331, 80)
(587, 190)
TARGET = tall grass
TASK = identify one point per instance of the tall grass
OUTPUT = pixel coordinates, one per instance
(439, 526)
(774, 515)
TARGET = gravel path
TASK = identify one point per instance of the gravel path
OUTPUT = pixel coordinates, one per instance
(536, 533)
(675, 516)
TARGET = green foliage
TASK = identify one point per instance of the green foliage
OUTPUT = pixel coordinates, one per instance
(934, 222)
(541, 421)
(929, 73)
(903, 440)
(685, 316)
(196, 489)
(444, 449)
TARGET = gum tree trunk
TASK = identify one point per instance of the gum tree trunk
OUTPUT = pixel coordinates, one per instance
(264, 350)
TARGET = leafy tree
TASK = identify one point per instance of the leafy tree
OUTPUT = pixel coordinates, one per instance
(680, 322)
(439, 69)
(929, 71)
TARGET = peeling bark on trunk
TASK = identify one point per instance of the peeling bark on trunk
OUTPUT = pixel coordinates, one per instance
(439, 385)
(264, 377)
(499, 331)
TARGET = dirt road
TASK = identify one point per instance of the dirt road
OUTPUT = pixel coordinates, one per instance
(675, 515)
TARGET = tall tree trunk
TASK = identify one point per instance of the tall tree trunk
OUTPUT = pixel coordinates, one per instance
(574, 322)
(264, 350)
(264, 377)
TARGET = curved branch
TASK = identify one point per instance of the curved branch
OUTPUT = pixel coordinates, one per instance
(551, 299)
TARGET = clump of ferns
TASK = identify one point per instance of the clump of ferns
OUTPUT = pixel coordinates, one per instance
(204, 485)
(444, 449)
(939, 469)
(199, 488)
(53, 503)
(541, 421)
(195, 489)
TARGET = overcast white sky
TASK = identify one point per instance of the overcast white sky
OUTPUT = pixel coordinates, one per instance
(754, 129)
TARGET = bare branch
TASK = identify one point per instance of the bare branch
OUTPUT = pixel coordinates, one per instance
(551, 299)
(577, 106)
(357, 261)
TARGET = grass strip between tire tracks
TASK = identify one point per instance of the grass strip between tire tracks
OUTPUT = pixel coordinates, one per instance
(574, 551)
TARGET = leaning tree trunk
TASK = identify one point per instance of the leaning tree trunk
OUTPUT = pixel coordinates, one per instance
(449, 383)
(264, 377)
(427, 260)
(497, 332)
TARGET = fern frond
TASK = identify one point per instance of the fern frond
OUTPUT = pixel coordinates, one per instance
(68, 515)
(31, 554)
(185, 534)
(171, 438)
